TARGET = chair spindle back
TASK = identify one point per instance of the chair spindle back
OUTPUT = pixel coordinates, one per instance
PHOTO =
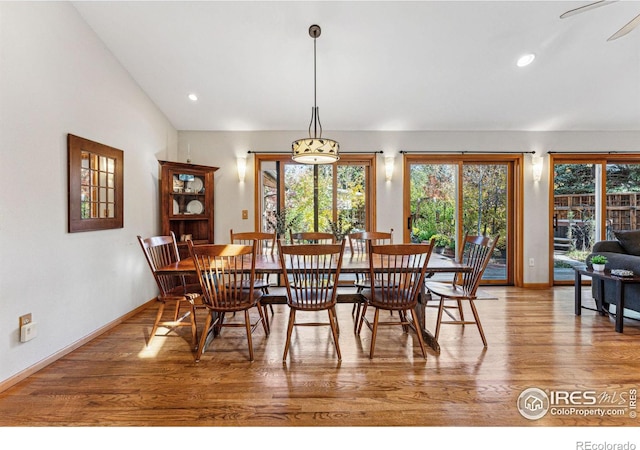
(311, 273)
(359, 240)
(266, 242)
(312, 237)
(161, 251)
(226, 273)
(400, 274)
(476, 252)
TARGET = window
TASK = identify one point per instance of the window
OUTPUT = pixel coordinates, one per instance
(305, 197)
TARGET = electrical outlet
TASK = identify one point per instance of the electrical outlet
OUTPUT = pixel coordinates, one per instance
(26, 319)
(28, 332)
(28, 328)
(532, 262)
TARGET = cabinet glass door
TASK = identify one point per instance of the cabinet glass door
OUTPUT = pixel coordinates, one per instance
(188, 194)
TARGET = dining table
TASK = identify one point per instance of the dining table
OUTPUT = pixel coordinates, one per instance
(267, 264)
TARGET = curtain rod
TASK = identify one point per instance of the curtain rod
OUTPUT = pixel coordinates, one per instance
(463, 152)
(342, 153)
(594, 152)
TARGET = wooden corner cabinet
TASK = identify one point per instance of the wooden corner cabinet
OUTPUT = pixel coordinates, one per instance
(187, 203)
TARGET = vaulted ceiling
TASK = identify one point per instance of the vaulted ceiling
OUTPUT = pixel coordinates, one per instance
(381, 65)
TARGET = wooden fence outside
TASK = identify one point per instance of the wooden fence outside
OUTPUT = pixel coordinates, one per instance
(578, 211)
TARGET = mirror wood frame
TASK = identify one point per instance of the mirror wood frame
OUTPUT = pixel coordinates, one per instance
(75, 147)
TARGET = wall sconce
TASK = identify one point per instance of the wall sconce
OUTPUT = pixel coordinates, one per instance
(388, 167)
(242, 168)
(536, 166)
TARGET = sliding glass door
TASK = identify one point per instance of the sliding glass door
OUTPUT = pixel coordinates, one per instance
(623, 198)
(575, 216)
(308, 195)
(593, 196)
(449, 196)
(485, 210)
(434, 203)
(304, 197)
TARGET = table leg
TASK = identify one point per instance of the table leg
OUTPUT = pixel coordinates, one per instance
(430, 340)
(420, 310)
(578, 293)
(600, 296)
(619, 305)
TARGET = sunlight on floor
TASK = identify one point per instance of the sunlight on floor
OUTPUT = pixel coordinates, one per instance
(152, 350)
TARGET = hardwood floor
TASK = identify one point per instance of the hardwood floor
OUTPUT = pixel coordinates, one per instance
(535, 340)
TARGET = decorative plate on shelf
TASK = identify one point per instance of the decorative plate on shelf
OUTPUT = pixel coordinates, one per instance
(176, 207)
(196, 185)
(621, 273)
(195, 207)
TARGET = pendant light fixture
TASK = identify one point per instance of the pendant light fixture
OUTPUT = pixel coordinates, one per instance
(315, 149)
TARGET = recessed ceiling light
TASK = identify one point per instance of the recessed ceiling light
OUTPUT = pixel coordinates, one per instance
(525, 60)
(193, 97)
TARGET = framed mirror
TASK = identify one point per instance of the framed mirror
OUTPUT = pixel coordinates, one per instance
(96, 191)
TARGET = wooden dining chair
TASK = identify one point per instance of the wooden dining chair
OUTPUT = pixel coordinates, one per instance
(227, 278)
(359, 245)
(266, 242)
(266, 245)
(312, 237)
(174, 289)
(475, 251)
(399, 274)
(359, 240)
(311, 273)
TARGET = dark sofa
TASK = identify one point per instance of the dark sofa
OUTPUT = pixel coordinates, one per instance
(623, 253)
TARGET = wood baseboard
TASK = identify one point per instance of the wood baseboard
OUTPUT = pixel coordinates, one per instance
(9, 382)
(536, 285)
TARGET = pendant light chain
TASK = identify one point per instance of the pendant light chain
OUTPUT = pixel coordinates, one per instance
(315, 114)
(315, 149)
(315, 84)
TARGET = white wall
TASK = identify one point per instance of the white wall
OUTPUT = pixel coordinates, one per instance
(56, 78)
(221, 149)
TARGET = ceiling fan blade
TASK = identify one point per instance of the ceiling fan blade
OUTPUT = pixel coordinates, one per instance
(584, 8)
(626, 29)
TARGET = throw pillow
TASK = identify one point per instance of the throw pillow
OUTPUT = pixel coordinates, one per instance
(629, 240)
